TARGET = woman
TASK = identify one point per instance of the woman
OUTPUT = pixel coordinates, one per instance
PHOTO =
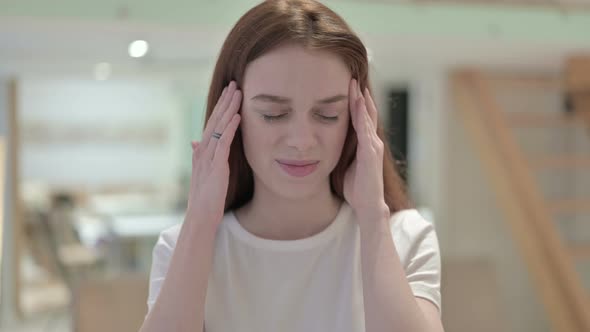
(297, 219)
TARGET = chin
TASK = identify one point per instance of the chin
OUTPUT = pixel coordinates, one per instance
(294, 193)
(283, 185)
(295, 190)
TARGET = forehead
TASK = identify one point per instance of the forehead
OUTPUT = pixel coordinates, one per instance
(293, 71)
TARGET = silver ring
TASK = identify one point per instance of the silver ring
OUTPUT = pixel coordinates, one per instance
(216, 135)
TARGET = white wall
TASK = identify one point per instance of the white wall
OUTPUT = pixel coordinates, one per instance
(116, 108)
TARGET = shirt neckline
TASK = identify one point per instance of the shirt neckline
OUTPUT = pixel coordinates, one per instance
(290, 245)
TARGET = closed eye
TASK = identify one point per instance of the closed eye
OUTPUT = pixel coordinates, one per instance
(328, 118)
(271, 118)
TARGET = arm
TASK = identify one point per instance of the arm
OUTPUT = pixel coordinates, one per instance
(388, 298)
(180, 305)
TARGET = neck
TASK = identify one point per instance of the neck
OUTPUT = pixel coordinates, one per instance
(271, 216)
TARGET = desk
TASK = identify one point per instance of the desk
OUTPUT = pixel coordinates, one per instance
(140, 226)
(128, 238)
(136, 235)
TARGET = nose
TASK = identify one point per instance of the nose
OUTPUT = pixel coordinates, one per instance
(301, 135)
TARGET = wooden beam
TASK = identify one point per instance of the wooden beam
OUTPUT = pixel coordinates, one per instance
(559, 162)
(2, 182)
(578, 85)
(17, 215)
(563, 5)
(553, 274)
(539, 119)
(530, 195)
(581, 105)
(572, 205)
(547, 82)
(577, 74)
(462, 87)
(580, 252)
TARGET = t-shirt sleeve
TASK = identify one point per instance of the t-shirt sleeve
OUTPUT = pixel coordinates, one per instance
(161, 255)
(417, 244)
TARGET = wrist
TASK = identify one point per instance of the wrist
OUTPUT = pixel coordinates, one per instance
(374, 219)
(202, 221)
(373, 214)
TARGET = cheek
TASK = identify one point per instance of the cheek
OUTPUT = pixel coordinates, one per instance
(250, 126)
(255, 139)
(341, 134)
(336, 143)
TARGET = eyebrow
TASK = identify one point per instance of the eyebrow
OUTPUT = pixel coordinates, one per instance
(285, 100)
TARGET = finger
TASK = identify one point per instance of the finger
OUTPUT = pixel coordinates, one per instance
(224, 145)
(231, 89)
(369, 126)
(362, 129)
(213, 119)
(364, 109)
(217, 113)
(196, 152)
(361, 108)
(232, 109)
(370, 132)
(370, 104)
(352, 99)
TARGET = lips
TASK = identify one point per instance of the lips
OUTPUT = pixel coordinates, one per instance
(297, 162)
(298, 168)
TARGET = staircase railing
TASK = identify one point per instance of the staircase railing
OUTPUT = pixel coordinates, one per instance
(528, 214)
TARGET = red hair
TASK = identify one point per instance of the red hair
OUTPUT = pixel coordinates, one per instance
(314, 26)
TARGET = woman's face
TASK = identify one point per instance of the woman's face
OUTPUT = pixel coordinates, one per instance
(295, 118)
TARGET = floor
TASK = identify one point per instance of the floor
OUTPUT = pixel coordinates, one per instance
(49, 322)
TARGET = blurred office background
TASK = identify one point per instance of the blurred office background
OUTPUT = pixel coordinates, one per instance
(488, 102)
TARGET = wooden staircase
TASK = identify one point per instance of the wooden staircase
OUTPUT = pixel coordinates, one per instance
(534, 218)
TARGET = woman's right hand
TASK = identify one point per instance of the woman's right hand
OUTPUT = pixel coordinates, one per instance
(210, 171)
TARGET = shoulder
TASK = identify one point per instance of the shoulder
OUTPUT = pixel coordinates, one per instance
(410, 223)
(169, 236)
(413, 234)
(166, 242)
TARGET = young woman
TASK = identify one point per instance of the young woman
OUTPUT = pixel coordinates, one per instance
(297, 219)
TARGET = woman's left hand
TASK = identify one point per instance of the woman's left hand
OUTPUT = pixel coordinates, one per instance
(363, 182)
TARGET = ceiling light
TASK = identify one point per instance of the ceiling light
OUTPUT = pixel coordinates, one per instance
(138, 48)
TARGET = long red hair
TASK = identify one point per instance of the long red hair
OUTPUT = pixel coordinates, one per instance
(313, 25)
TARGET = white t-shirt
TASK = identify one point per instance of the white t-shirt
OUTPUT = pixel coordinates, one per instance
(311, 284)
